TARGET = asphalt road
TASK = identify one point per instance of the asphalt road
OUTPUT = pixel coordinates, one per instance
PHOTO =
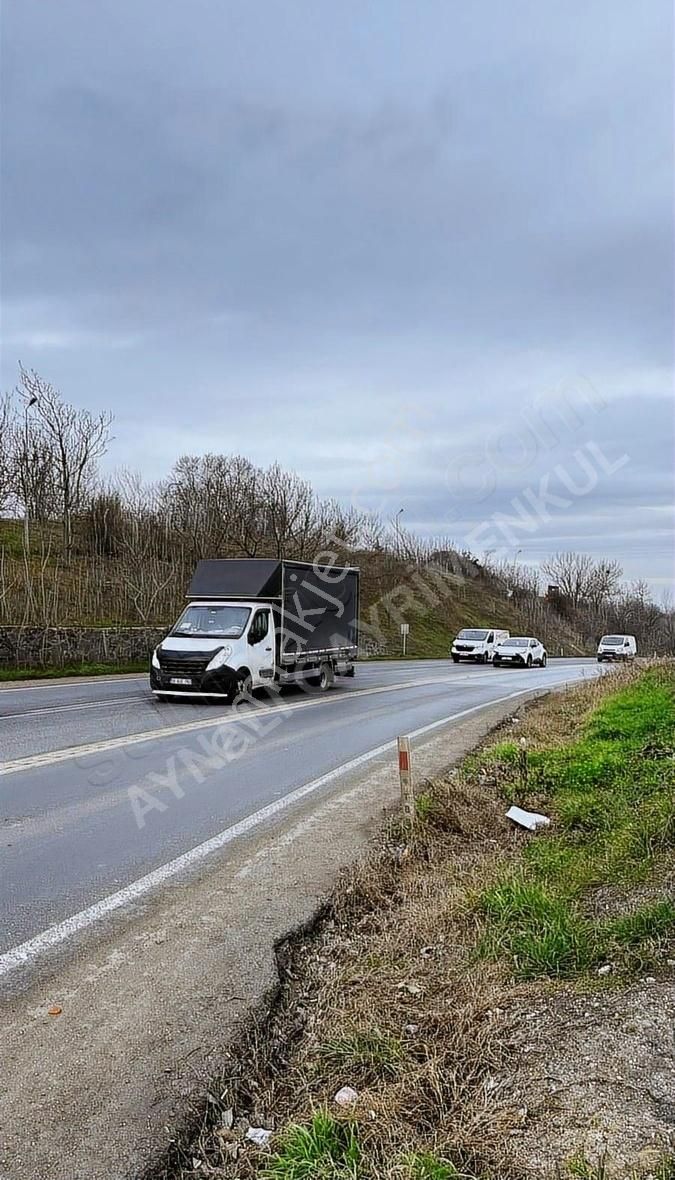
(100, 785)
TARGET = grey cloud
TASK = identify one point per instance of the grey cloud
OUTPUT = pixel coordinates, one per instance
(225, 220)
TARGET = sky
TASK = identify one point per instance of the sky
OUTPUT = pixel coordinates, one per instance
(419, 252)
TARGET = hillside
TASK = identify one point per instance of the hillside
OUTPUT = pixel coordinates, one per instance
(436, 596)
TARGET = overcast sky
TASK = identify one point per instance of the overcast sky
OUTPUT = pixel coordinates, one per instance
(363, 239)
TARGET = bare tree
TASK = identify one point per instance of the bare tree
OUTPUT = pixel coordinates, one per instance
(76, 438)
(581, 579)
(603, 583)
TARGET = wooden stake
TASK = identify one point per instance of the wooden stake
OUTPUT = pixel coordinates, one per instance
(405, 775)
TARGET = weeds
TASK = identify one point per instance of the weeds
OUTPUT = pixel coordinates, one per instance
(324, 1150)
(582, 1169)
(364, 1056)
(426, 1166)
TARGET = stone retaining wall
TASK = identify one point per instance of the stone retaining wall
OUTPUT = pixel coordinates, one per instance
(58, 647)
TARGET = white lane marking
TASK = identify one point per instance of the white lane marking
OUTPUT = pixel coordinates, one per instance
(67, 708)
(20, 956)
(130, 679)
(35, 761)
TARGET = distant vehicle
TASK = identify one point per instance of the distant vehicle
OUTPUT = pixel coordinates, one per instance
(252, 622)
(476, 643)
(617, 647)
(522, 650)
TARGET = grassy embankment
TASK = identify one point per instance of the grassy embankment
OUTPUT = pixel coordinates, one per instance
(49, 673)
(405, 994)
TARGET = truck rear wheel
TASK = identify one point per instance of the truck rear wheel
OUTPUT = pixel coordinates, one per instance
(325, 678)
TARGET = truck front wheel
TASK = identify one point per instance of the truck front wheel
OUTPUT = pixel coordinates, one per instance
(243, 686)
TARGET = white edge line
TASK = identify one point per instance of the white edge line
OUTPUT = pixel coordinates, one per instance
(20, 955)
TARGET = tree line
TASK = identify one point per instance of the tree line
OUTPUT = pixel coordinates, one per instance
(121, 550)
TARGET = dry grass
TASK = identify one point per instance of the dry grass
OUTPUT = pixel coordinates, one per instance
(388, 995)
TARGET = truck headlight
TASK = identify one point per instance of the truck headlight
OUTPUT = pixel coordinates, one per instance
(221, 657)
(155, 659)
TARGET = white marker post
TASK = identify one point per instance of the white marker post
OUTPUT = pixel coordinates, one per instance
(405, 775)
(405, 630)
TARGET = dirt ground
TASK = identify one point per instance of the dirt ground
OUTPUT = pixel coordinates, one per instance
(595, 1076)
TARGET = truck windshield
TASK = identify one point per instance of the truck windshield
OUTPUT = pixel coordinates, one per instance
(213, 622)
(612, 640)
(469, 634)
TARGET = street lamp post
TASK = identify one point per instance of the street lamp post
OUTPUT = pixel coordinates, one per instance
(397, 526)
(26, 534)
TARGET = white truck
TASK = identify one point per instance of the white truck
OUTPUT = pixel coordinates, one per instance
(253, 622)
(477, 644)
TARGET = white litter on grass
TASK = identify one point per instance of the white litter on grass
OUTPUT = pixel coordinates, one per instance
(346, 1096)
(527, 819)
(259, 1136)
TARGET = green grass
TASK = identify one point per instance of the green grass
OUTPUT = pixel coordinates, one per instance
(72, 670)
(612, 799)
(328, 1149)
(324, 1150)
(427, 1166)
(363, 1055)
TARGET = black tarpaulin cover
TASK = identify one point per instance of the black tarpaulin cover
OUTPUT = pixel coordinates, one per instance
(237, 577)
(320, 609)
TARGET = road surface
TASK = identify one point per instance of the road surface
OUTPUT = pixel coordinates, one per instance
(152, 857)
(101, 786)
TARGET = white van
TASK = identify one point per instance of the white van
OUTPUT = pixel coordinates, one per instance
(617, 647)
(476, 643)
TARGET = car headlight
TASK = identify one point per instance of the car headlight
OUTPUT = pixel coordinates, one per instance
(155, 659)
(221, 657)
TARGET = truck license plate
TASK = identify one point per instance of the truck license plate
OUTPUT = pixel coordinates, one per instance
(180, 680)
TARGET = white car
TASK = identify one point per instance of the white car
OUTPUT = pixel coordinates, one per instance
(522, 650)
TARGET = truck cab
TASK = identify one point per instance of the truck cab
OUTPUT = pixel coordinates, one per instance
(217, 648)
